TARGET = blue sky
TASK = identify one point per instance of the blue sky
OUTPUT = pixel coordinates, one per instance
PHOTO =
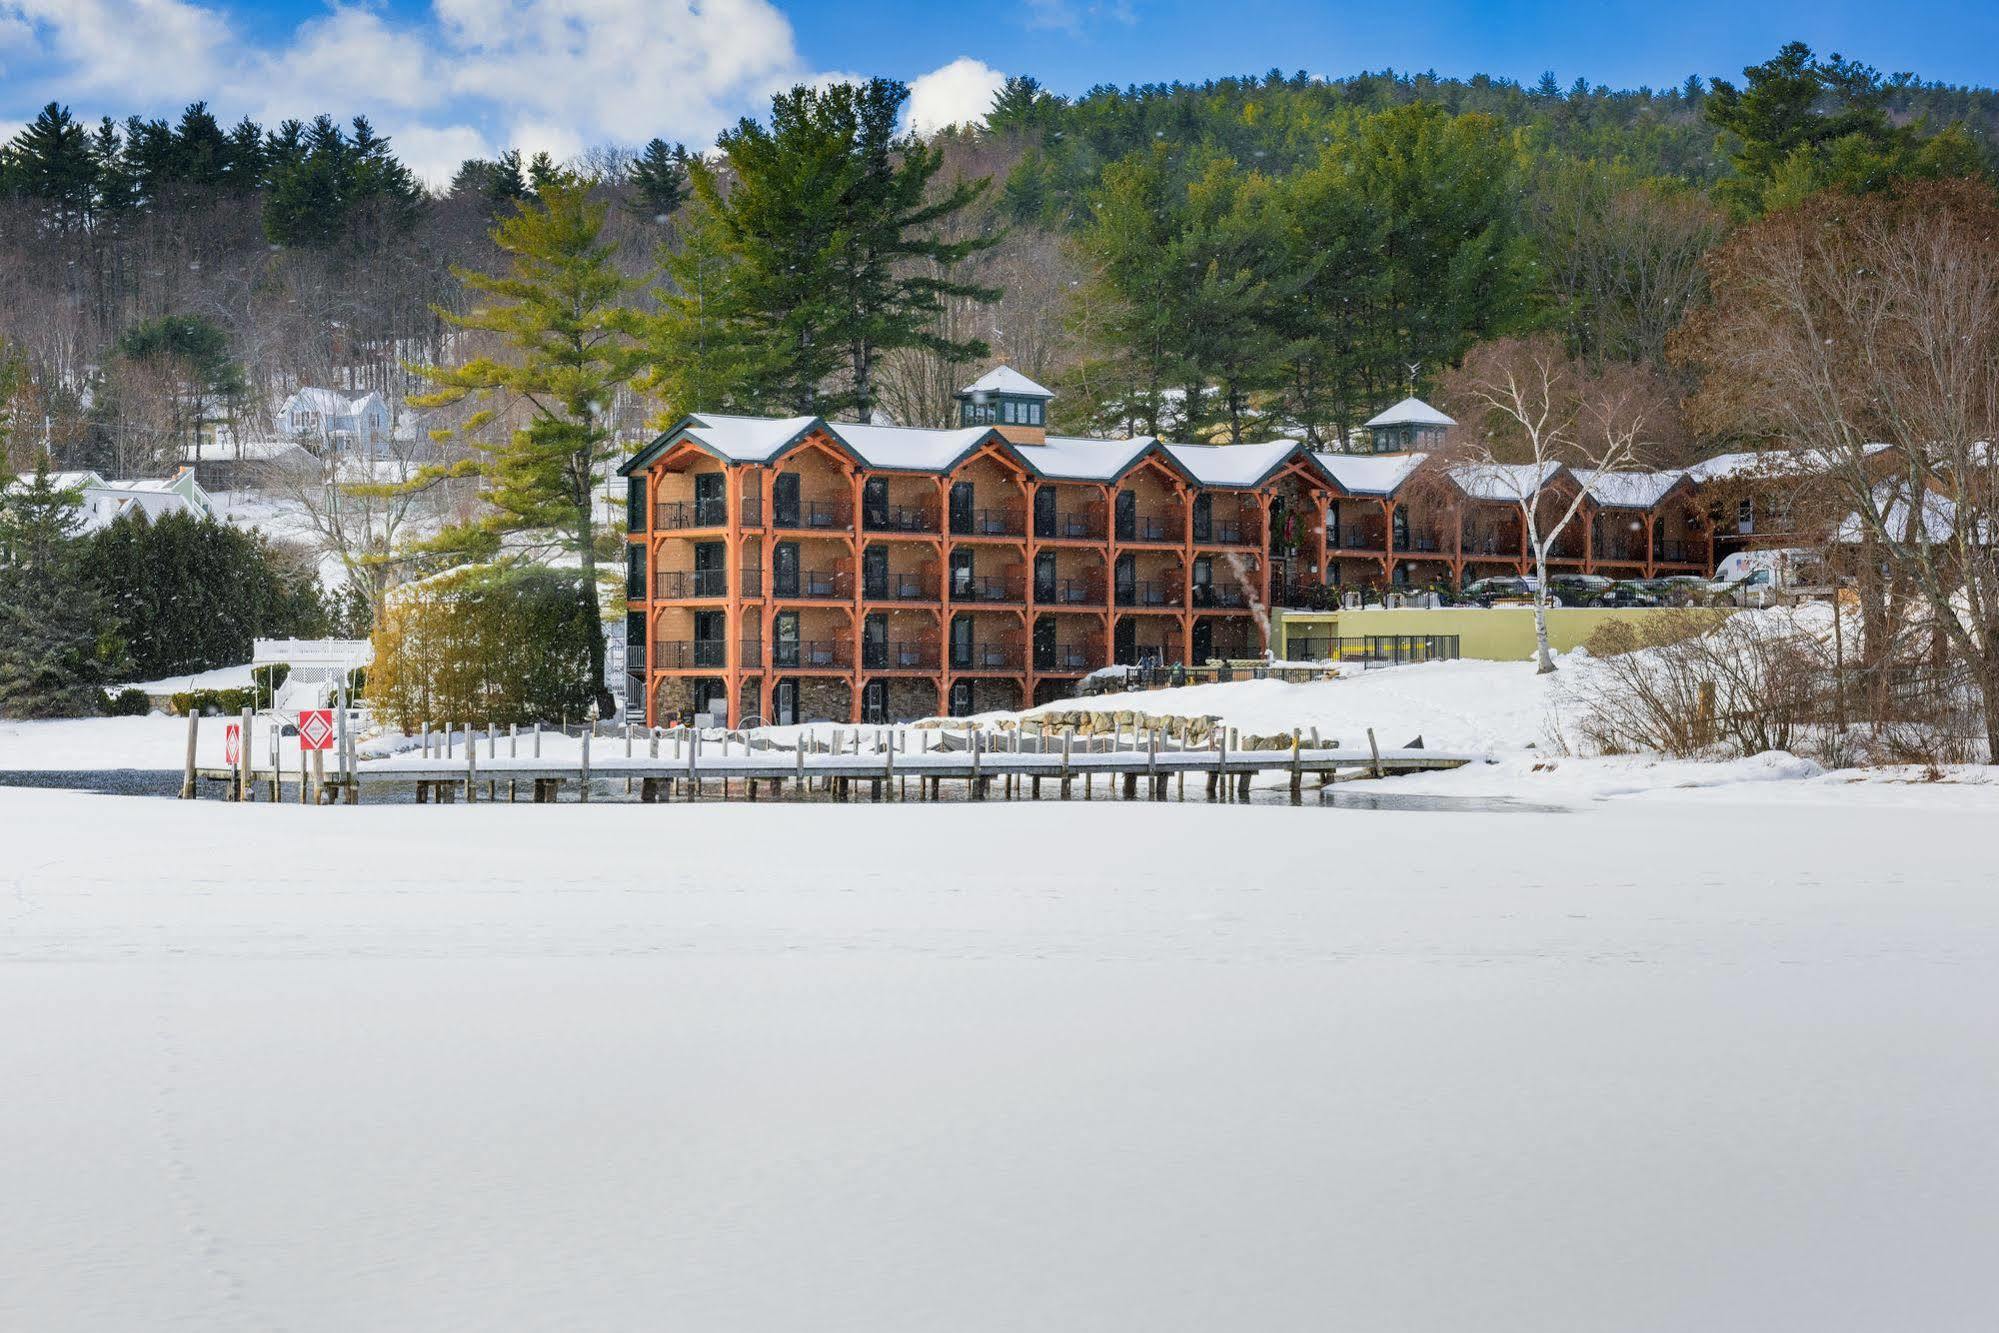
(452, 78)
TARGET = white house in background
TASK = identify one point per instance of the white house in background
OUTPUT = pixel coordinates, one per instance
(155, 497)
(332, 419)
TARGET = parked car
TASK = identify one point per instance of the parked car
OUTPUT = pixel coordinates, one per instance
(1501, 590)
(1576, 589)
(1632, 592)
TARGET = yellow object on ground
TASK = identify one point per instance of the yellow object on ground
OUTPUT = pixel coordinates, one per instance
(1493, 634)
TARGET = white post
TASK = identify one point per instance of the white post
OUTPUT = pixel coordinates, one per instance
(513, 740)
(471, 765)
(583, 786)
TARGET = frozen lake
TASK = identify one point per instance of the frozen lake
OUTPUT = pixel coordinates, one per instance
(1660, 1064)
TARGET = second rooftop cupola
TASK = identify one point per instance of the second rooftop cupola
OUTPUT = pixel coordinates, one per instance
(1009, 402)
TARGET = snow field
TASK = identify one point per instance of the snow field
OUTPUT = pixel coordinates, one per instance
(1657, 1065)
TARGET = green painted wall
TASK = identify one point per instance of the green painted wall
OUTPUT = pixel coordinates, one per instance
(1494, 634)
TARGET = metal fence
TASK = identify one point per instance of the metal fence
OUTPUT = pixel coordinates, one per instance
(1372, 650)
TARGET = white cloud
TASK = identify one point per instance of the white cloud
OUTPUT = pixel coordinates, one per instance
(537, 74)
(961, 93)
(435, 152)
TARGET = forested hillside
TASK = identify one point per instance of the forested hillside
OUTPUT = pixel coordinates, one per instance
(1217, 260)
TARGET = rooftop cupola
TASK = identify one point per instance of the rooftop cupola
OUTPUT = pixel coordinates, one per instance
(1410, 424)
(1008, 401)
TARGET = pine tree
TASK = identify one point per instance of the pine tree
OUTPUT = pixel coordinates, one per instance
(51, 160)
(826, 213)
(539, 432)
(659, 177)
(55, 654)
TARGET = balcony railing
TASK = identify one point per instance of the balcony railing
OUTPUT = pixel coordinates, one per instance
(1220, 532)
(997, 655)
(1068, 592)
(986, 523)
(899, 518)
(687, 585)
(1355, 537)
(705, 513)
(816, 515)
(1073, 525)
(1416, 542)
(1148, 593)
(899, 655)
(899, 588)
(985, 588)
(1149, 528)
(1492, 543)
(1225, 596)
(812, 585)
(1675, 553)
(1621, 552)
(1064, 657)
(701, 654)
(811, 654)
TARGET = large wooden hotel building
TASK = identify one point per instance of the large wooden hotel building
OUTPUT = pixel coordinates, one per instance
(783, 569)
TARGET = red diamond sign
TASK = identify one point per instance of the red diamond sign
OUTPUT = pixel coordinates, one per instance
(315, 729)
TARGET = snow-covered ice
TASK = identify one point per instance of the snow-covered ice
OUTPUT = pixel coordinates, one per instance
(1662, 1064)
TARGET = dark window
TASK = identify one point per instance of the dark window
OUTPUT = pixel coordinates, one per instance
(874, 641)
(635, 504)
(1127, 515)
(1124, 644)
(961, 698)
(1127, 577)
(1204, 640)
(874, 502)
(961, 573)
(711, 499)
(874, 572)
(635, 643)
(961, 506)
(1044, 643)
(784, 703)
(784, 569)
(1204, 516)
(874, 702)
(1044, 576)
(635, 571)
(961, 641)
(1044, 511)
(784, 499)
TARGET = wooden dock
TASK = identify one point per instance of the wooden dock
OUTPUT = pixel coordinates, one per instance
(972, 765)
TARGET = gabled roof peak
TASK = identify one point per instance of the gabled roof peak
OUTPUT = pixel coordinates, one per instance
(1411, 412)
(1006, 380)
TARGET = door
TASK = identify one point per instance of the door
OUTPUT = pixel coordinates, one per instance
(1124, 643)
(784, 703)
(709, 698)
(1126, 579)
(1204, 517)
(874, 702)
(961, 698)
(784, 499)
(1333, 524)
(1204, 580)
(711, 499)
(961, 642)
(710, 574)
(1044, 644)
(963, 580)
(1044, 511)
(1399, 525)
(1044, 576)
(784, 569)
(874, 502)
(1127, 515)
(635, 572)
(874, 641)
(711, 645)
(1204, 640)
(784, 639)
(961, 507)
(874, 572)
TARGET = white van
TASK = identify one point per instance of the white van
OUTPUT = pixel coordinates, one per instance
(1761, 578)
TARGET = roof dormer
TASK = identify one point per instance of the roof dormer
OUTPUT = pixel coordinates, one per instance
(1410, 424)
(1009, 402)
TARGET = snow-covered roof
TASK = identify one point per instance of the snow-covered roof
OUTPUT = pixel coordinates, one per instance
(1627, 490)
(1938, 518)
(327, 402)
(1073, 458)
(1006, 380)
(1512, 482)
(745, 439)
(1778, 463)
(908, 448)
(63, 481)
(1231, 464)
(1411, 412)
(1370, 474)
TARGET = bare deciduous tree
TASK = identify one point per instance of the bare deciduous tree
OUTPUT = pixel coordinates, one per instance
(1848, 324)
(1529, 411)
